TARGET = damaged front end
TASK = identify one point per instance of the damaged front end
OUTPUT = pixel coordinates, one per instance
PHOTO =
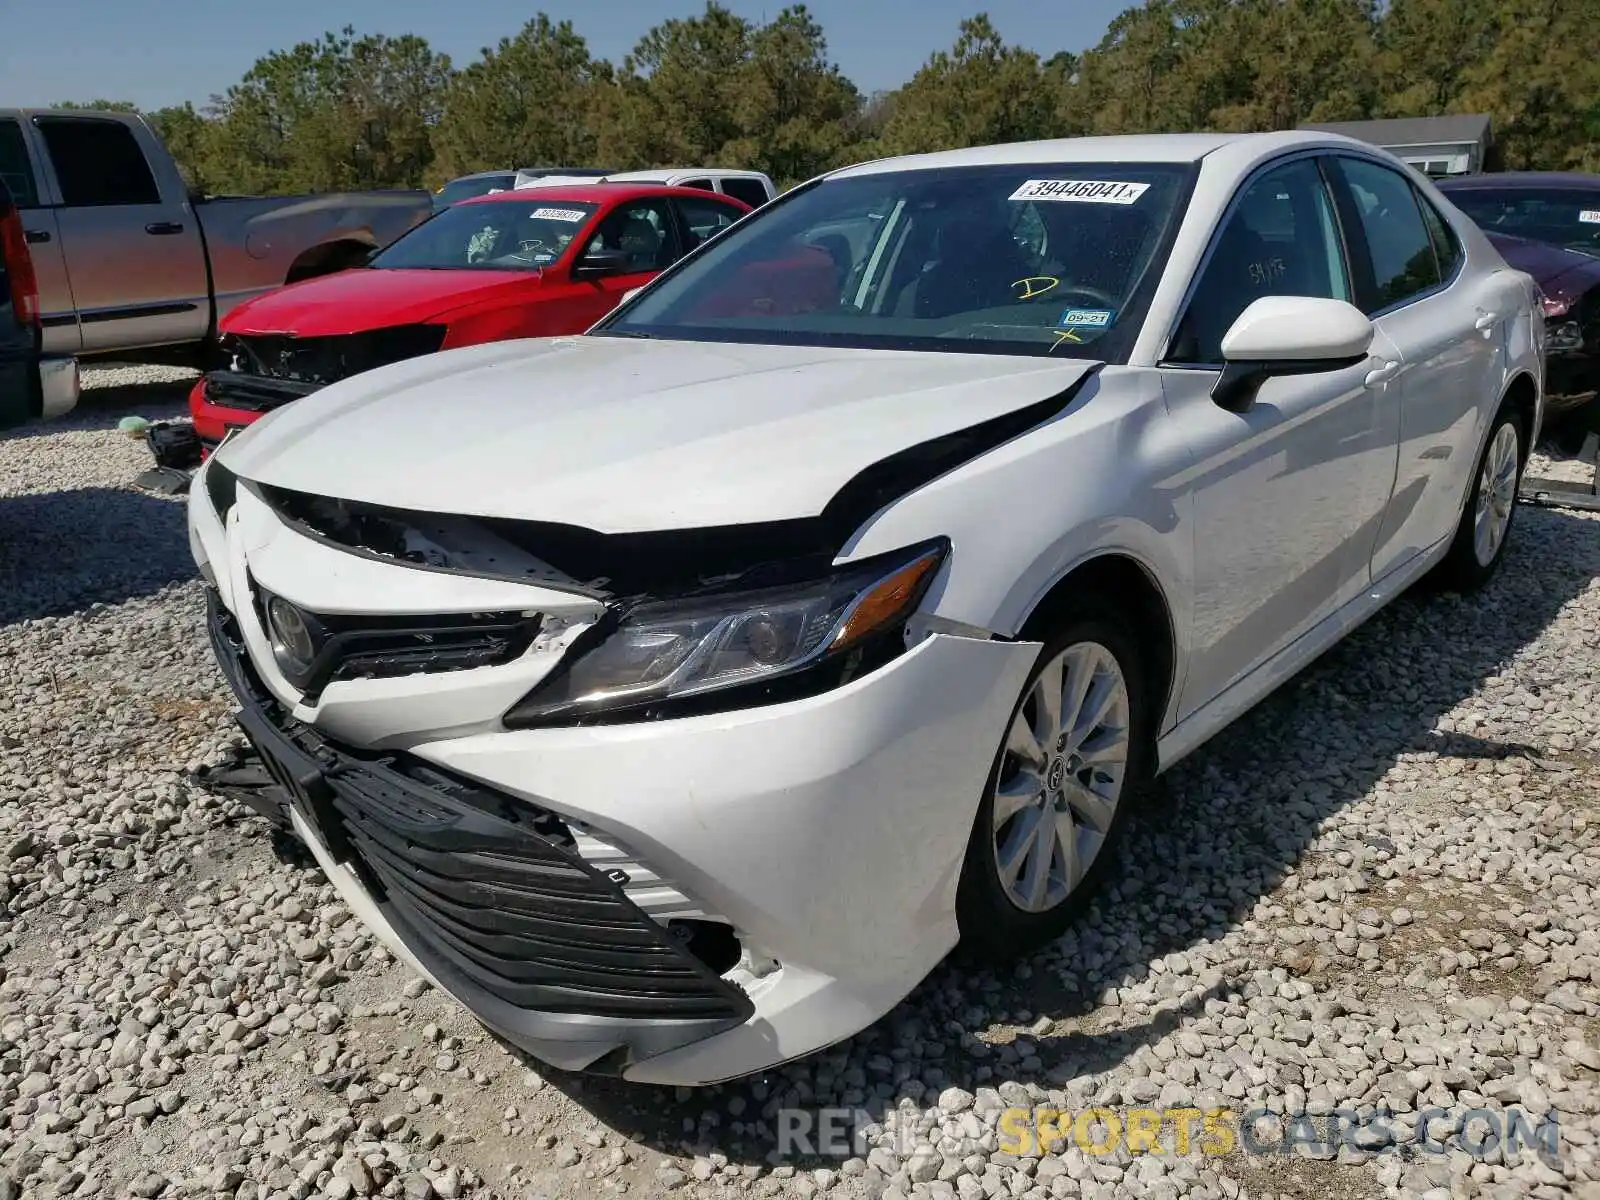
(267, 371)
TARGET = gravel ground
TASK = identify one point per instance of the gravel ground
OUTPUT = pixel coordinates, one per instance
(1379, 889)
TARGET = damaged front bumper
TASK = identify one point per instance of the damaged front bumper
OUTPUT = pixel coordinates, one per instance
(765, 881)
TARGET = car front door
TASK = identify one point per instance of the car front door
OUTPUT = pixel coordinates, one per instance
(646, 233)
(1450, 329)
(19, 172)
(1287, 496)
(135, 257)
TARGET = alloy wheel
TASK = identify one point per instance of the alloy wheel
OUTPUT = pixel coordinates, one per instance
(1497, 492)
(1061, 776)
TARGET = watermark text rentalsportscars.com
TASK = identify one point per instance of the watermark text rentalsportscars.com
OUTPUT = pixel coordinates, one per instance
(1182, 1132)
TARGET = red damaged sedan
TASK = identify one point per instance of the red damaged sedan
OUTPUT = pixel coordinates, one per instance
(517, 264)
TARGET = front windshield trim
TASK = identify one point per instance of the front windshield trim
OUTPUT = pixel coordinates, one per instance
(1114, 347)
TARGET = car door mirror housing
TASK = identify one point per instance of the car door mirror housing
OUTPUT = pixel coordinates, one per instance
(599, 263)
(1288, 335)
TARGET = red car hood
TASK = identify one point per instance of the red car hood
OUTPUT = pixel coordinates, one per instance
(361, 298)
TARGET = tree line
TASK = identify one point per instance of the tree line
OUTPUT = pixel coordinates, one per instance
(374, 111)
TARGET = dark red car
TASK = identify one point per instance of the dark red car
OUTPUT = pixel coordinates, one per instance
(531, 263)
(1548, 225)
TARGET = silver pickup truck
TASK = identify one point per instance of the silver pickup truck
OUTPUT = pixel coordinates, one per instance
(129, 259)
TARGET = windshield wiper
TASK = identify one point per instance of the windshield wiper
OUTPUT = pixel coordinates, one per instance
(627, 333)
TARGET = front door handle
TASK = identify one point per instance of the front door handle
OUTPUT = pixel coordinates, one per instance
(1382, 374)
(1486, 320)
(163, 228)
(35, 237)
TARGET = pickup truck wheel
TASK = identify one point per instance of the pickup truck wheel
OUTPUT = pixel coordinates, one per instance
(1075, 753)
(1485, 527)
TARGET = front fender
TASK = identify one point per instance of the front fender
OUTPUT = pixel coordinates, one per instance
(1101, 478)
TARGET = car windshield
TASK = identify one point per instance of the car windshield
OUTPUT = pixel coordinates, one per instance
(1567, 217)
(1015, 259)
(502, 235)
(458, 190)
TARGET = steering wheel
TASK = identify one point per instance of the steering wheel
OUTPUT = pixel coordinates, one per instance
(1095, 296)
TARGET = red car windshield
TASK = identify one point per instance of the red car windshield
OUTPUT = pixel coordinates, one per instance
(506, 235)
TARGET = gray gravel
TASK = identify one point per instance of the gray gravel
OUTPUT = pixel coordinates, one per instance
(1377, 890)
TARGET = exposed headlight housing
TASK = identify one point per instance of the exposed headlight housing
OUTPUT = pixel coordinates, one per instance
(731, 649)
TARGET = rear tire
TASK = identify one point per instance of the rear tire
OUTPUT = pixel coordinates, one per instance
(1491, 509)
(1059, 789)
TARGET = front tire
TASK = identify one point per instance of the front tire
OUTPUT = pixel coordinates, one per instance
(1491, 510)
(1077, 749)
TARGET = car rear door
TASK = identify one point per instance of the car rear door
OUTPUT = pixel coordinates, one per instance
(703, 218)
(19, 171)
(133, 251)
(1450, 328)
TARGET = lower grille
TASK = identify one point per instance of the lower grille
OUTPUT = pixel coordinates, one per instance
(253, 393)
(323, 360)
(489, 892)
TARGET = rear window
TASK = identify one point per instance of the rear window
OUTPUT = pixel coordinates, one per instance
(748, 190)
(1567, 217)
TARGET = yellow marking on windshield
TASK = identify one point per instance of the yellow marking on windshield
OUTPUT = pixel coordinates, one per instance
(1029, 291)
(1063, 336)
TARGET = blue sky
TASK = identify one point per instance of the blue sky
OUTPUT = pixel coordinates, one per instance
(54, 50)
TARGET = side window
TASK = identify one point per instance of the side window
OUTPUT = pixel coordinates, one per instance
(16, 172)
(705, 218)
(748, 190)
(97, 162)
(1280, 239)
(1398, 245)
(1446, 246)
(703, 184)
(643, 231)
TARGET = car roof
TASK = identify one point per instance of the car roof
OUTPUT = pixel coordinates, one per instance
(1516, 179)
(596, 193)
(484, 175)
(663, 172)
(1128, 148)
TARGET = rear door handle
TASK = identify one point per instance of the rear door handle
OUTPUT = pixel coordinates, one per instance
(36, 236)
(162, 228)
(1486, 320)
(1382, 374)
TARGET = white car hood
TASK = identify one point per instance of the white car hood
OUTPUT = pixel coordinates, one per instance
(620, 435)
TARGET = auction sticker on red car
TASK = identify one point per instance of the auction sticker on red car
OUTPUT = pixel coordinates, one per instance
(1081, 191)
(558, 214)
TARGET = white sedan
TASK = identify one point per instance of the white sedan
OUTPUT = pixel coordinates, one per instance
(677, 696)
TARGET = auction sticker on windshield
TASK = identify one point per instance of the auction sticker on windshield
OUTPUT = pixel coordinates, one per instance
(558, 214)
(1590, 216)
(1081, 191)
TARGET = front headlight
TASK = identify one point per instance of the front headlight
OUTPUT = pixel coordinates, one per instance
(659, 657)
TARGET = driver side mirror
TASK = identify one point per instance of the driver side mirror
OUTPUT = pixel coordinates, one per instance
(599, 263)
(1288, 335)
